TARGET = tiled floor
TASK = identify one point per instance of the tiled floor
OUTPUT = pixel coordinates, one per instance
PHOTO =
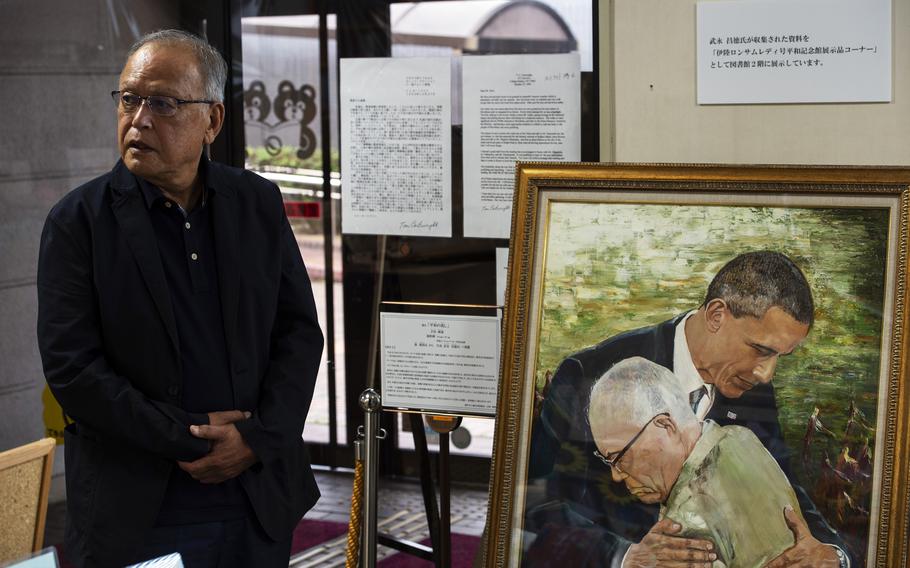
(400, 512)
(468, 505)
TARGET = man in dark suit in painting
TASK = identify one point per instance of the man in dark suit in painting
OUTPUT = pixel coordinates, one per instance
(758, 308)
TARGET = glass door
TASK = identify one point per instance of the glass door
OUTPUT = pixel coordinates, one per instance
(290, 137)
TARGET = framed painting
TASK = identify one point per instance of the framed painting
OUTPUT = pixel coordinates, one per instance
(704, 364)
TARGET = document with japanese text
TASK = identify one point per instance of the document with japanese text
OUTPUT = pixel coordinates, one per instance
(396, 146)
(438, 362)
(782, 51)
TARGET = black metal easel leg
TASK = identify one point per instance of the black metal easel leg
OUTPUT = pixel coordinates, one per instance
(438, 515)
(427, 485)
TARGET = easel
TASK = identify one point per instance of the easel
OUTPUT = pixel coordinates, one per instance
(438, 515)
(442, 420)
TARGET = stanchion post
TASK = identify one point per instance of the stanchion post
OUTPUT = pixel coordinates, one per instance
(370, 402)
(445, 515)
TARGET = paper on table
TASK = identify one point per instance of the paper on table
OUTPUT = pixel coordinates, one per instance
(170, 561)
(46, 558)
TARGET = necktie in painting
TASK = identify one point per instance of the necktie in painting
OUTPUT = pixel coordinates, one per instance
(695, 397)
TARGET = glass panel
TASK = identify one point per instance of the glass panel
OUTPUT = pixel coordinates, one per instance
(436, 29)
(577, 15)
(549, 26)
(283, 135)
(473, 438)
(59, 61)
(455, 28)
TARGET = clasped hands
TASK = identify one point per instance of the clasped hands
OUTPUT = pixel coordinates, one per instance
(663, 547)
(229, 455)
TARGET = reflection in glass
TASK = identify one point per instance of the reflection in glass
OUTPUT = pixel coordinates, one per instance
(284, 144)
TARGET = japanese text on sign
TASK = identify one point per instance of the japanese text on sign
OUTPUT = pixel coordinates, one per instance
(780, 51)
(773, 51)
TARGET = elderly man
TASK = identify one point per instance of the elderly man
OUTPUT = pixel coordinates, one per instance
(757, 309)
(177, 328)
(717, 483)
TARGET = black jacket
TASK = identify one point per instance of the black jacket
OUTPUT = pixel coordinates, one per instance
(108, 342)
(574, 512)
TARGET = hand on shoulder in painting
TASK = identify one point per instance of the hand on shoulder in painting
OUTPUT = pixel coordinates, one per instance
(717, 482)
(229, 455)
(663, 546)
(806, 552)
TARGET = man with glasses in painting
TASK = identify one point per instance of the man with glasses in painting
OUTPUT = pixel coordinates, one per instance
(757, 309)
(718, 483)
(177, 328)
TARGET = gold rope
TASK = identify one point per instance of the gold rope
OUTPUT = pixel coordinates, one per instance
(352, 551)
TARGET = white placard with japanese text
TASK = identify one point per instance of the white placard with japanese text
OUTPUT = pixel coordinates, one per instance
(396, 146)
(440, 363)
(794, 51)
(515, 108)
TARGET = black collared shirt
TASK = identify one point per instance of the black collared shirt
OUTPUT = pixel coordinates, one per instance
(186, 244)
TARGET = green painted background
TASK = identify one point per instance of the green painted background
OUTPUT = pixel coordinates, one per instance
(616, 267)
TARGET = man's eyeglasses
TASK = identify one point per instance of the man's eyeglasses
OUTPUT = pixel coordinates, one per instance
(612, 459)
(158, 104)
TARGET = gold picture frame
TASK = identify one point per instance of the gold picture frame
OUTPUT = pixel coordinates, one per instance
(816, 212)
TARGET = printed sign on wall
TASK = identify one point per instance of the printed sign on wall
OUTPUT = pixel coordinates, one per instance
(794, 51)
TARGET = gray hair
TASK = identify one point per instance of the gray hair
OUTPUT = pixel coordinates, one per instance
(211, 65)
(632, 392)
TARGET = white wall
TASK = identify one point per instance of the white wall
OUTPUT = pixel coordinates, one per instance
(649, 114)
